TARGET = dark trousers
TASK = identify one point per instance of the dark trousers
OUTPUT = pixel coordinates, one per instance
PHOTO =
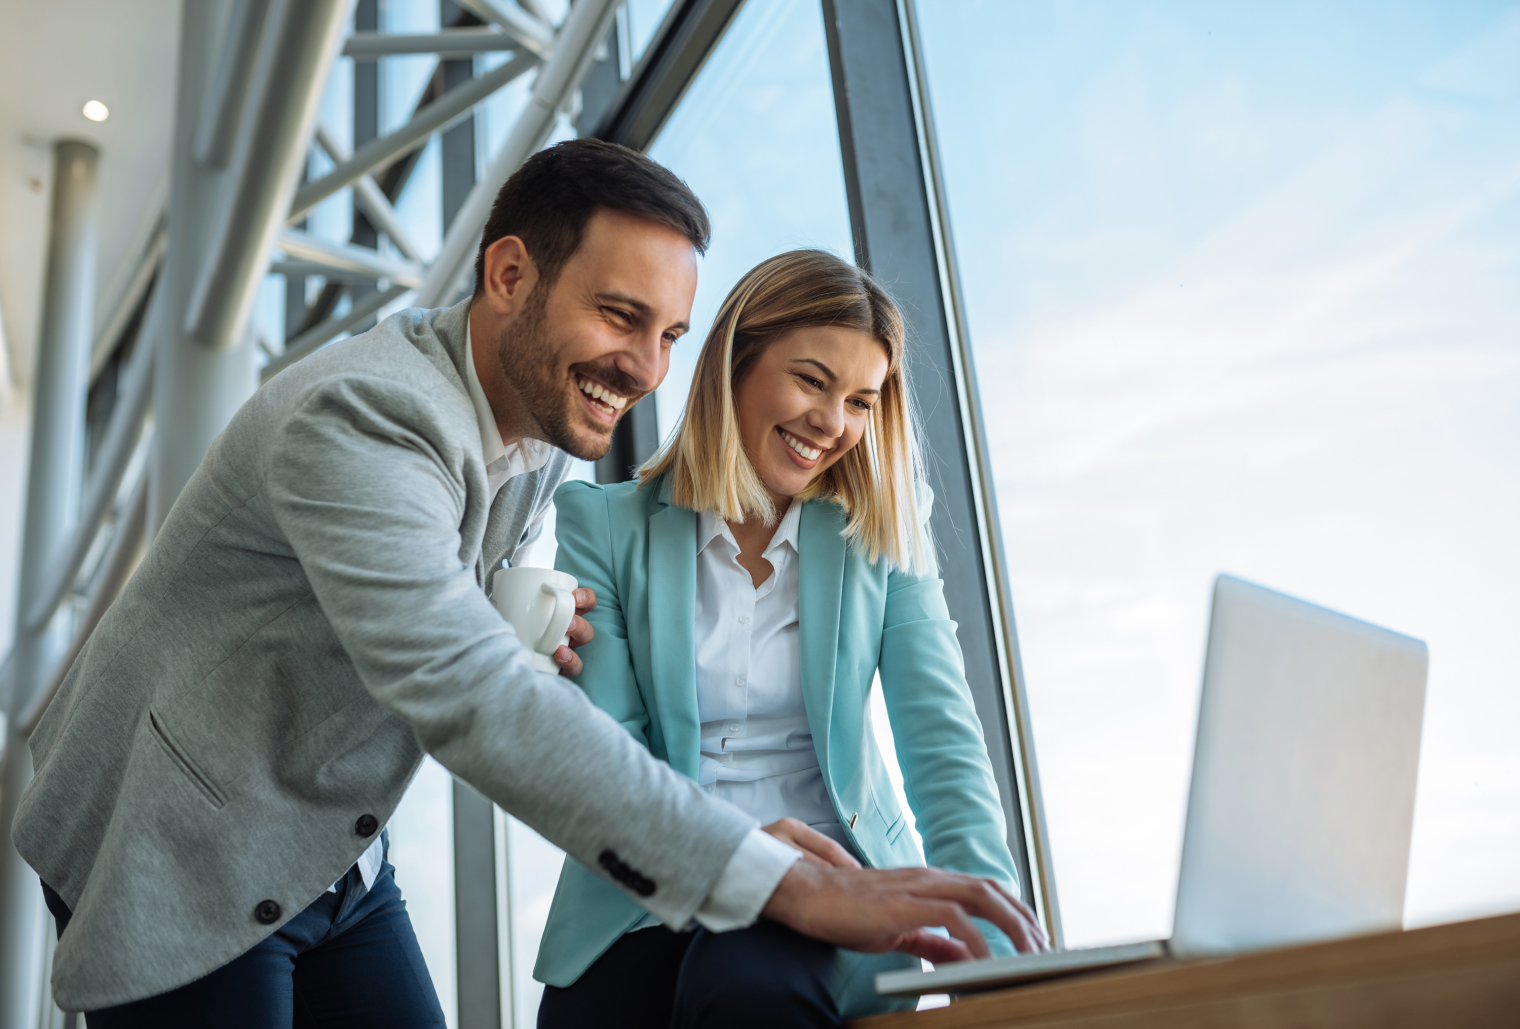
(761, 977)
(349, 960)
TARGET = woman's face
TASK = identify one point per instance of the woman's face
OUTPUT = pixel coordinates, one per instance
(806, 401)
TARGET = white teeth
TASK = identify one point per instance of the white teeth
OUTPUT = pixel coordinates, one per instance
(599, 392)
(811, 453)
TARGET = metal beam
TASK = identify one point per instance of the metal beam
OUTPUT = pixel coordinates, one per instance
(690, 31)
(477, 962)
(557, 82)
(223, 110)
(293, 69)
(345, 257)
(534, 34)
(121, 558)
(196, 389)
(121, 439)
(371, 46)
(313, 339)
(108, 338)
(438, 115)
(54, 473)
(371, 199)
(898, 218)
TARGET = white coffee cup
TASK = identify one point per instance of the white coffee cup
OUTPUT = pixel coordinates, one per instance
(539, 604)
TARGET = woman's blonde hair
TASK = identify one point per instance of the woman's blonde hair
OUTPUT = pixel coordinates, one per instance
(874, 482)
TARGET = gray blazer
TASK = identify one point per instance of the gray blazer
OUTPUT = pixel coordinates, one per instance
(310, 619)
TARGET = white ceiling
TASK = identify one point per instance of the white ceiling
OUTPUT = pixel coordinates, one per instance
(54, 56)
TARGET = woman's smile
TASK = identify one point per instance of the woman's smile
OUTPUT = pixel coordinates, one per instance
(804, 452)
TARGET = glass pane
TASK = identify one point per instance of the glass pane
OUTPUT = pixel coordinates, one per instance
(755, 138)
(422, 851)
(1241, 282)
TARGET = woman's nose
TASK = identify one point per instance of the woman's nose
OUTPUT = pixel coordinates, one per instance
(828, 420)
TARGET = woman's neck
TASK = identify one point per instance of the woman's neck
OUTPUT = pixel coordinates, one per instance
(753, 536)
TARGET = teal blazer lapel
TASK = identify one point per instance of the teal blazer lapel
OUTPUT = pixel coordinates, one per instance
(673, 616)
(820, 584)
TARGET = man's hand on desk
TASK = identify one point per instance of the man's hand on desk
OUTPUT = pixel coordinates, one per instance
(876, 910)
(580, 633)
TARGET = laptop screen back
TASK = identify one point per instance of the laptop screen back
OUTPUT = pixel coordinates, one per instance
(1304, 773)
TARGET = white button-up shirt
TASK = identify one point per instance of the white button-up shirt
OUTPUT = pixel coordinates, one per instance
(757, 746)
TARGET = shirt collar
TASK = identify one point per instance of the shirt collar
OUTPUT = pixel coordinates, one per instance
(711, 527)
(532, 453)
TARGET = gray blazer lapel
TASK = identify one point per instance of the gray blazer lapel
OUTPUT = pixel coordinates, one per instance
(672, 645)
(820, 585)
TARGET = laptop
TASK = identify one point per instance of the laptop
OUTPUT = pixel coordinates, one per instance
(1302, 797)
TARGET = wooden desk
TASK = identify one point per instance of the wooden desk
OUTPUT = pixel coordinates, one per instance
(1462, 975)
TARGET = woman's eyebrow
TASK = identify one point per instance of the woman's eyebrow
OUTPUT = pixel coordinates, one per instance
(825, 369)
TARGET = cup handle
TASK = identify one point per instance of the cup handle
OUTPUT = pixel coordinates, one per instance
(559, 621)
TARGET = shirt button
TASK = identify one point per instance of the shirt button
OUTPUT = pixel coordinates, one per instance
(739, 680)
(733, 728)
(743, 619)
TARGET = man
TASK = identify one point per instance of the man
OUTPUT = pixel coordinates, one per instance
(312, 618)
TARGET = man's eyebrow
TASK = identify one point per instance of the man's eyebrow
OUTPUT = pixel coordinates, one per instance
(635, 303)
(622, 298)
(830, 373)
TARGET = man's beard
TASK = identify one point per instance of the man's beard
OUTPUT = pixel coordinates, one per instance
(528, 361)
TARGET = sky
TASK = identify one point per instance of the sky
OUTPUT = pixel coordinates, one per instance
(1241, 290)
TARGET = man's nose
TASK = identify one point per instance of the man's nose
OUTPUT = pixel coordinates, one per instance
(641, 361)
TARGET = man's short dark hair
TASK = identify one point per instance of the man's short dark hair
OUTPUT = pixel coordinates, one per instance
(549, 200)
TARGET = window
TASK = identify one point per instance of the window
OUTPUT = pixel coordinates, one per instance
(1241, 290)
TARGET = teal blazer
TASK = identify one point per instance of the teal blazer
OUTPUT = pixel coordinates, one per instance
(638, 551)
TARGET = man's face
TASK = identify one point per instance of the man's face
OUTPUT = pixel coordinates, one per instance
(581, 353)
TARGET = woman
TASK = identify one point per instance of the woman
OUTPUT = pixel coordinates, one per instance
(770, 559)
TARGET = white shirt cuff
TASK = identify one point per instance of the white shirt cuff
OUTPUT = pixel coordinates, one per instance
(747, 882)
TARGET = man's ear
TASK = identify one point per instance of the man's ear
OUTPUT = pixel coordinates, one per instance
(510, 275)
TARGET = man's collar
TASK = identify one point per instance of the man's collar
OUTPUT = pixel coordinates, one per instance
(534, 453)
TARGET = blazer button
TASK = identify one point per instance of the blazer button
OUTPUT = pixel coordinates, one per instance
(366, 825)
(267, 912)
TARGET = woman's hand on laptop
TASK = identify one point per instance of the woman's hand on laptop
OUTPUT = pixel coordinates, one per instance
(815, 846)
(875, 910)
(579, 633)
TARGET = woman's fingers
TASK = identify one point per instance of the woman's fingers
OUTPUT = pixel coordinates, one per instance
(585, 599)
(569, 663)
(579, 632)
(812, 843)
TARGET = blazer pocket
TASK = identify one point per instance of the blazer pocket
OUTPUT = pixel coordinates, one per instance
(182, 760)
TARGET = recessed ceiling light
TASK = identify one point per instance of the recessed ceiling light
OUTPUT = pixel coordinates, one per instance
(96, 111)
